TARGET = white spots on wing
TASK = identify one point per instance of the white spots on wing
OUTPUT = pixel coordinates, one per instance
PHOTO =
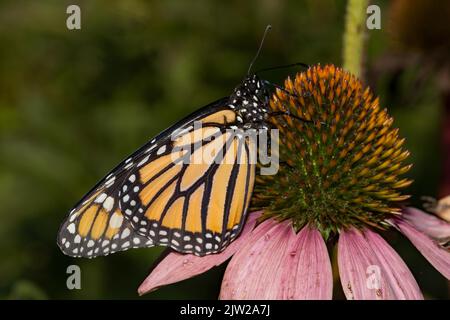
(132, 178)
(143, 230)
(136, 189)
(177, 234)
(77, 239)
(90, 243)
(197, 248)
(108, 204)
(199, 240)
(71, 228)
(128, 212)
(116, 220)
(143, 161)
(179, 133)
(126, 244)
(208, 246)
(188, 246)
(162, 232)
(128, 165)
(110, 181)
(128, 160)
(63, 240)
(152, 233)
(89, 253)
(161, 150)
(67, 244)
(125, 233)
(114, 246)
(126, 198)
(135, 219)
(124, 188)
(132, 203)
(186, 238)
(101, 198)
(105, 243)
(75, 250)
(175, 242)
(73, 217)
(208, 235)
(149, 242)
(136, 240)
(163, 240)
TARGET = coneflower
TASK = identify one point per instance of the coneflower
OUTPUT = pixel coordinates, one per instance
(340, 180)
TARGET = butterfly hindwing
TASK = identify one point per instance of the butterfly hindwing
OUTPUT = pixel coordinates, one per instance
(97, 227)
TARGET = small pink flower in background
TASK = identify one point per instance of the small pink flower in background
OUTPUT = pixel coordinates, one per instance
(341, 184)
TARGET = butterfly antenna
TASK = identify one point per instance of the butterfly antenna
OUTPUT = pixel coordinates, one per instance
(259, 49)
(300, 64)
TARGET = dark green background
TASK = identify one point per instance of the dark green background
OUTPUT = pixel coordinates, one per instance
(75, 103)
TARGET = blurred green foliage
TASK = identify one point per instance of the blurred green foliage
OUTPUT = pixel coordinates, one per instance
(75, 103)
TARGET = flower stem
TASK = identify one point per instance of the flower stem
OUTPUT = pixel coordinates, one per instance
(354, 35)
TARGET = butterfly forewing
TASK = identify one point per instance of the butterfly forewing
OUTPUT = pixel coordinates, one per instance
(196, 205)
(188, 188)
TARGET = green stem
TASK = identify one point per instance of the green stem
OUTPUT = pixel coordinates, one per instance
(355, 27)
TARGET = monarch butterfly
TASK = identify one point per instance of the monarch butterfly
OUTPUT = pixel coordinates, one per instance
(155, 198)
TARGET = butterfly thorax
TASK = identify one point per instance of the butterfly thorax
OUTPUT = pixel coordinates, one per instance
(250, 101)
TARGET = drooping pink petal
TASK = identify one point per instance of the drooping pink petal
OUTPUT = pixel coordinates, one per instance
(307, 271)
(255, 271)
(370, 269)
(432, 251)
(400, 278)
(177, 267)
(427, 223)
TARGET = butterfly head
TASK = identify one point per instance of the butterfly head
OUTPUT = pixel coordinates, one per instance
(250, 101)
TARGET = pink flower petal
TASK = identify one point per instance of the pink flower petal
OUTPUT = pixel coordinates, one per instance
(307, 271)
(432, 251)
(255, 271)
(177, 267)
(427, 223)
(370, 269)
